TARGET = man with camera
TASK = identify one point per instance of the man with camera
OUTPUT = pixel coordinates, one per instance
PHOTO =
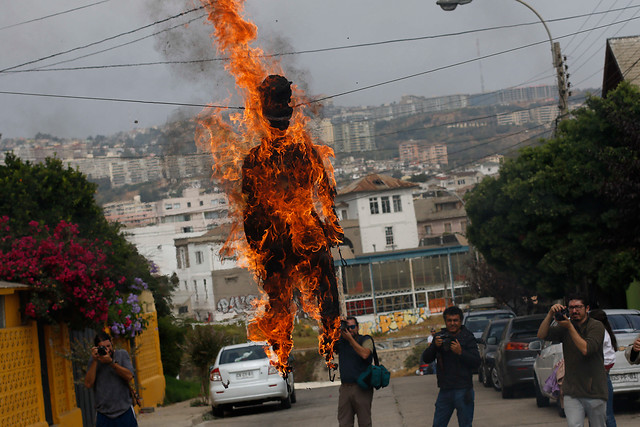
(355, 353)
(456, 353)
(585, 380)
(108, 375)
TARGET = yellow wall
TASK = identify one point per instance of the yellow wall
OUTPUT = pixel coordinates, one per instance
(148, 364)
(21, 401)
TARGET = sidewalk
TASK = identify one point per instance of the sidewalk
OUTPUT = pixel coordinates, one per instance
(182, 414)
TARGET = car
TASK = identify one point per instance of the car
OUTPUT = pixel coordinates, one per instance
(426, 368)
(487, 346)
(243, 375)
(625, 377)
(477, 320)
(514, 358)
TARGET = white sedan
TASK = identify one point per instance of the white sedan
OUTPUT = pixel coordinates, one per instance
(243, 375)
(625, 378)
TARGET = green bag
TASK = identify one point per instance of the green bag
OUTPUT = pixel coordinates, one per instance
(376, 376)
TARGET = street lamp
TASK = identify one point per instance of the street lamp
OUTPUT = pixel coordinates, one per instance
(563, 93)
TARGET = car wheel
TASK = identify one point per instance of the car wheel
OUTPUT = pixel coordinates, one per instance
(286, 403)
(495, 379)
(507, 392)
(561, 411)
(481, 375)
(293, 396)
(541, 400)
(218, 411)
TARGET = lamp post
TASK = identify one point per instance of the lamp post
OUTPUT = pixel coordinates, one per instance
(558, 62)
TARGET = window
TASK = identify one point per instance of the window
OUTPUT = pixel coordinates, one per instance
(386, 206)
(183, 257)
(231, 280)
(373, 205)
(345, 214)
(186, 287)
(188, 204)
(201, 203)
(388, 234)
(206, 294)
(214, 202)
(461, 182)
(427, 230)
(463, 226)
(195, 287)
(199, 257)
(186, 217)
(397, 205)
(187, 230)
(447, 227)
(176, 205)
(183, 309)
(168, 206)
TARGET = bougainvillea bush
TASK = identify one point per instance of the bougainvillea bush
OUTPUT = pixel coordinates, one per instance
(69, 278)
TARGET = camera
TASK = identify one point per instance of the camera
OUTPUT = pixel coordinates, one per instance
(344, 325)
(446, 339)
(559, 316)
(102, 350)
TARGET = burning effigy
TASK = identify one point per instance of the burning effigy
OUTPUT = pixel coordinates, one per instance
(281, 190)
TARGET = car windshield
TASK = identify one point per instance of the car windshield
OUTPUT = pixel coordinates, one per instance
(476, 325)
(496, 330)
(623, 323)
(242, 354)
(526, 327)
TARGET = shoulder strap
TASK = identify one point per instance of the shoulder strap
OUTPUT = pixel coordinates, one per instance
(375, 354)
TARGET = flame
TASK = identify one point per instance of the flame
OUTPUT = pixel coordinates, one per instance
(281, 189)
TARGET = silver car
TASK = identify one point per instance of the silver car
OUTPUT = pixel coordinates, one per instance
(243, 375)
(625, 378)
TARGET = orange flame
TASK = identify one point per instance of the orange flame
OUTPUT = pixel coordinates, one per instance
(281, 190)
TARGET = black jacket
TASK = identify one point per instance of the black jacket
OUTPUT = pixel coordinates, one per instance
(455, 371)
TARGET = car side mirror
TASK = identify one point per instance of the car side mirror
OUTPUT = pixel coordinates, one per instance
(492, 340)
(535, 345)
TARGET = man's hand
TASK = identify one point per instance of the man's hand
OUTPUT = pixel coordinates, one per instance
(438, 341)
(636, 345)
(107, 358)
(456, 347)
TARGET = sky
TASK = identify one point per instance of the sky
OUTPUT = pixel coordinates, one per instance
(375, 50)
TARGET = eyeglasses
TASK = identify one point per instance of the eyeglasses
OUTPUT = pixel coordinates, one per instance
(352, 326)
(576, 307)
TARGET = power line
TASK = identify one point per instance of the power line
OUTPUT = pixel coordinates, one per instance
(103, 40)
(319, 50)
(53, 14)
(138, 101)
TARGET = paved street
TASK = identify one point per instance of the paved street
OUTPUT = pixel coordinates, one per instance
(407, 402)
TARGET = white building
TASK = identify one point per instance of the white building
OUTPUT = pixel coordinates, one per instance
(383, 207)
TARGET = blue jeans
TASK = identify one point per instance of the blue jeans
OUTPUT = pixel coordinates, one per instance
(128, 419)
(611, 420)
(460, 399)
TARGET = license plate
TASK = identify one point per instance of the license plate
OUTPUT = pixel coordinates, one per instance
(244, 374)
(624, 378)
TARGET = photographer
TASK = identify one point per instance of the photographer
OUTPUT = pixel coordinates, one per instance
(456, 352)
(108, 375)
(355, 352)
(585, 381)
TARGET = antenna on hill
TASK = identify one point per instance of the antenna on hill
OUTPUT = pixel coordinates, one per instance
(480, 66)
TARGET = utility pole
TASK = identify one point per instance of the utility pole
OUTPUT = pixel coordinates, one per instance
(563, 91)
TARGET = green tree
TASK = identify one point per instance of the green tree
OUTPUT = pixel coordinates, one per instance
(201, 348)
(49, 193)
(547, 220)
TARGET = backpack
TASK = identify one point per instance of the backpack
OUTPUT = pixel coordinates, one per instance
(376, 375)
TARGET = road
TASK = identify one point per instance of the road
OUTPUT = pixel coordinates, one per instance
(409, 402)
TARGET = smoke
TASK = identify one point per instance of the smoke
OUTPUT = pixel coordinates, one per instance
(199, 65)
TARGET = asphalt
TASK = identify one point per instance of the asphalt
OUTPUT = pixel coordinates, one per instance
(182, 414)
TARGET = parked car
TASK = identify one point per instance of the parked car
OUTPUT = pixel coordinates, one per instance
(243, 375)
(625, 378)
(514, 359)
(487, 346)
(477, 320)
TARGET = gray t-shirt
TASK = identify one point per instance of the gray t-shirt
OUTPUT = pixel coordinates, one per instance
(113, 397)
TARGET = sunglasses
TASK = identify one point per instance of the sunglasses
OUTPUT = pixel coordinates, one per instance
(352, 326)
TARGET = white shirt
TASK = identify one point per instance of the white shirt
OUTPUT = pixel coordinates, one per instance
(608, 350)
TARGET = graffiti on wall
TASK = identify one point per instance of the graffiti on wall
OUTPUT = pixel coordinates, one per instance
(392, 322)
(238, 304)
